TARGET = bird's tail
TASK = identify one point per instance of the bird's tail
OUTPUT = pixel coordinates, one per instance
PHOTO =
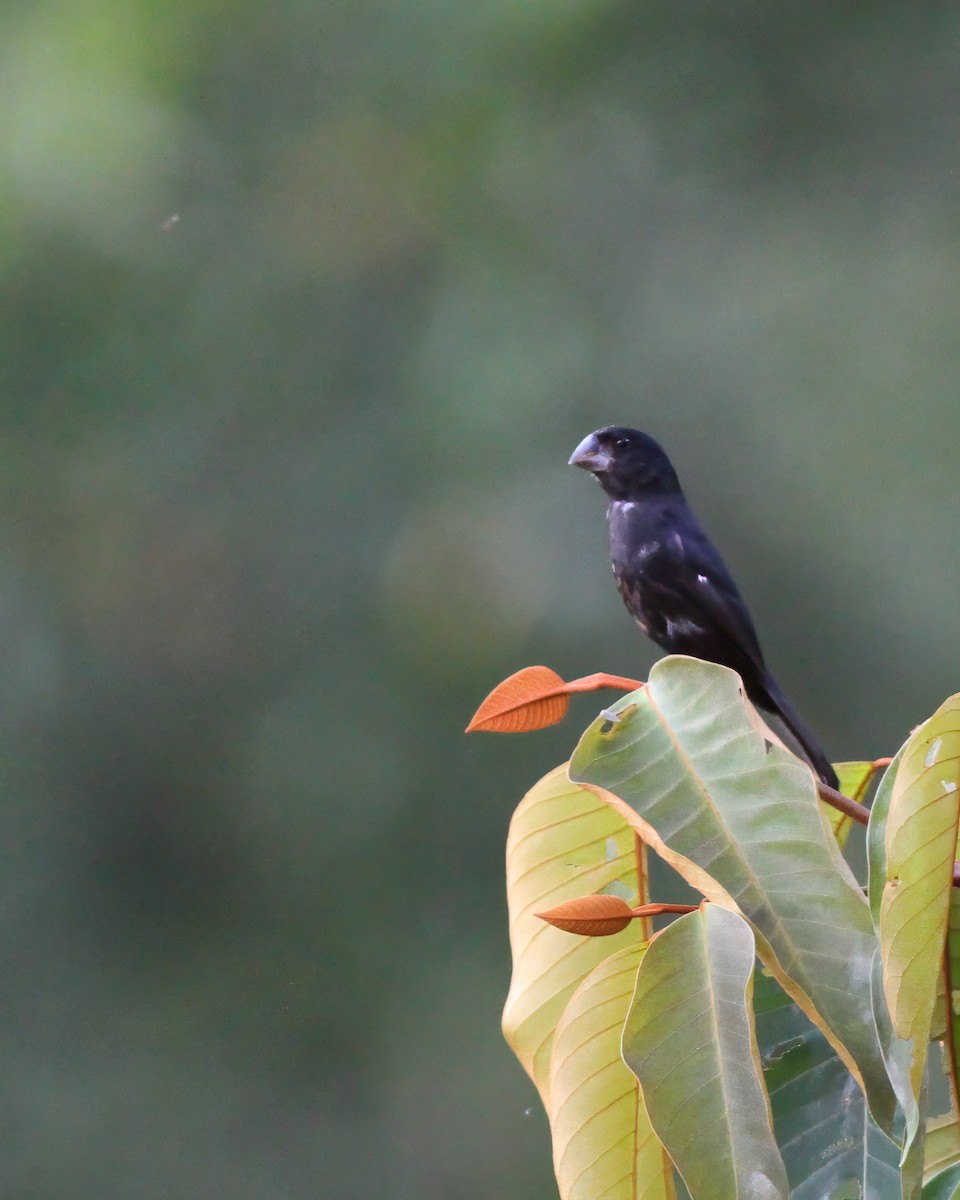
(808, 743)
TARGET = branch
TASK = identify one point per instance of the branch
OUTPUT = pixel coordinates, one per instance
(858, 812)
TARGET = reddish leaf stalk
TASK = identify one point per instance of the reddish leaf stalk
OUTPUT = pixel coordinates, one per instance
(594, 683)
(837, 800)
(657, 910)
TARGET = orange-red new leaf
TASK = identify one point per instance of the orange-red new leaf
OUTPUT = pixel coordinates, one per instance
(531, 699)
(590, 916)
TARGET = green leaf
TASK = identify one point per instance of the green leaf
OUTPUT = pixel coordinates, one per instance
(690, 1039)
(603, 1143)
(687, 763)
(563, 843)
(920, 839)
(945, 1186)
(830, 1146)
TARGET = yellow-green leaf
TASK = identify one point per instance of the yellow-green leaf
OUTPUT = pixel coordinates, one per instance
(943, 1145)
(690, 1038)
(920, 841)
(563, 843)
(854, 782)
(603, 1144)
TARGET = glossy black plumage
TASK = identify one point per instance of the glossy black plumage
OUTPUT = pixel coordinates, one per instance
(672, 579)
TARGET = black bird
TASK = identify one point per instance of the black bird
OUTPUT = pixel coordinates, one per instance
(672, 579)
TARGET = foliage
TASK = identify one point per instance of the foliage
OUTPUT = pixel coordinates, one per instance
(306, 305)
(777, 1034)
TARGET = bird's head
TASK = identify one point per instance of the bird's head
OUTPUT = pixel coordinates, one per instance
(627, 464)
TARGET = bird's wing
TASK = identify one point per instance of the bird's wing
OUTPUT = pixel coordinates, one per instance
(702, 579)
(702, 576)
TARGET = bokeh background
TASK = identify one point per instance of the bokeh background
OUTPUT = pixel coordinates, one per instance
(305, 306)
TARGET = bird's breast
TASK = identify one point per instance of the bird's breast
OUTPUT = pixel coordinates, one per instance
(635, 534)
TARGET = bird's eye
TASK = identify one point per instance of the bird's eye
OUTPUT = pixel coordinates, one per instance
(621, 442)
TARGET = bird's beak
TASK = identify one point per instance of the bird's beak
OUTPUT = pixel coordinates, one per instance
(590, 455)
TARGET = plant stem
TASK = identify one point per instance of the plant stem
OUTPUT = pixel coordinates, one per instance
(594, 683)
(656, 910)
(837, 800)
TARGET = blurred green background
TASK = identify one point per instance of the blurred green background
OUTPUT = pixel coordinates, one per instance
(304, 307)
